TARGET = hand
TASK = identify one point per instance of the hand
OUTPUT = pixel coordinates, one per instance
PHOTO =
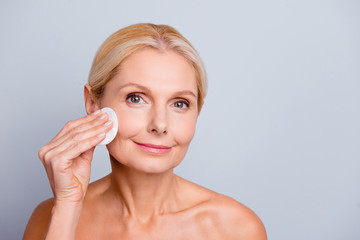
(67, 158)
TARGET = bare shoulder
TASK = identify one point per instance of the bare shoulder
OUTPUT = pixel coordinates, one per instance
(39, 220)
(225, 217)
(235, 220)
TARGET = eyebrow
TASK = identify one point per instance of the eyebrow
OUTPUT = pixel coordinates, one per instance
(183, 92)
(133, 85)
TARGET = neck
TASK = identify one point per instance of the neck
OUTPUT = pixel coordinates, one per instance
(143, 195)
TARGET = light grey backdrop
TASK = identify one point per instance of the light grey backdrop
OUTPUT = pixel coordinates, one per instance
(280, 128)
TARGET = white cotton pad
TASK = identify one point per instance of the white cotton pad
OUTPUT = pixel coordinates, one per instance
(110, 135)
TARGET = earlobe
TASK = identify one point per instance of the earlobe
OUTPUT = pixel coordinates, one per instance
(91, 104)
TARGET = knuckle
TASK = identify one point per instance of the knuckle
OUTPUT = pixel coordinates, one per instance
(48, 157)
(69, 125)
(71, 134)
(71, 131)
(41, 153)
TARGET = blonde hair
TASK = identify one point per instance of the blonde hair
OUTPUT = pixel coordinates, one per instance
(126, 41)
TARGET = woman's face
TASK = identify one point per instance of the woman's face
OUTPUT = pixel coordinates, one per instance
(154, 95)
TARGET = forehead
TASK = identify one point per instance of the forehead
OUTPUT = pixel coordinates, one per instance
(156, 69)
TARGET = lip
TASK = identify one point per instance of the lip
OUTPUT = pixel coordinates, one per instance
(152, 148)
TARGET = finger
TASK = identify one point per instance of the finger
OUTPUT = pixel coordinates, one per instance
(77, 148)
(82, 165)
(88, 154)
(77, 122)
(68, 127)
(54, 153)
(75, 133)
(50, 175)
(81, 136)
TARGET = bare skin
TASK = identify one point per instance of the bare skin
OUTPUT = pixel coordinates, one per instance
(203, 215)
(154, 95)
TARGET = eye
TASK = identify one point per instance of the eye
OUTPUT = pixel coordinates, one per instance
(134, 98)
(181, 104)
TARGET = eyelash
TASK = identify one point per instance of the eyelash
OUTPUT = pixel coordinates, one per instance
(131, 95)
(186, 103)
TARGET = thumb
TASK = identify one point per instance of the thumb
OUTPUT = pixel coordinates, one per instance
(88, 155)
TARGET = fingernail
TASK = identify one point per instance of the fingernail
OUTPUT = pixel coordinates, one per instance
(108, 123)
(100, 135)
(96, 112)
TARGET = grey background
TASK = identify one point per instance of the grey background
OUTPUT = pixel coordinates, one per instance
(280, 128)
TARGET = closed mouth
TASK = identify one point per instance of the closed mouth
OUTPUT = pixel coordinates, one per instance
(153, 148)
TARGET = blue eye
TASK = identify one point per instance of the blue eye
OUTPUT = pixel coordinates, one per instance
(135, 99)
(181, 104)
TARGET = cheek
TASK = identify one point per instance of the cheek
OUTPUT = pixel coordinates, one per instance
(184, 130)
(130, 122)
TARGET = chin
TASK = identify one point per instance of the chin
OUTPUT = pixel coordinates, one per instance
(154, 168)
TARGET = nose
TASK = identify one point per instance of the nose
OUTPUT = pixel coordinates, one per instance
(158, 122)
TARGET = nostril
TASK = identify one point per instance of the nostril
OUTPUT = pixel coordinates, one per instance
(154, 130)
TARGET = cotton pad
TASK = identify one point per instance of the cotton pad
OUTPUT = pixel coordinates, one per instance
(110, 135)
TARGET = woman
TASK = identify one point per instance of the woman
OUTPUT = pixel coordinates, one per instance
(154, 80)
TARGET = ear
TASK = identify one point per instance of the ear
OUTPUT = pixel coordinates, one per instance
(91, 105)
